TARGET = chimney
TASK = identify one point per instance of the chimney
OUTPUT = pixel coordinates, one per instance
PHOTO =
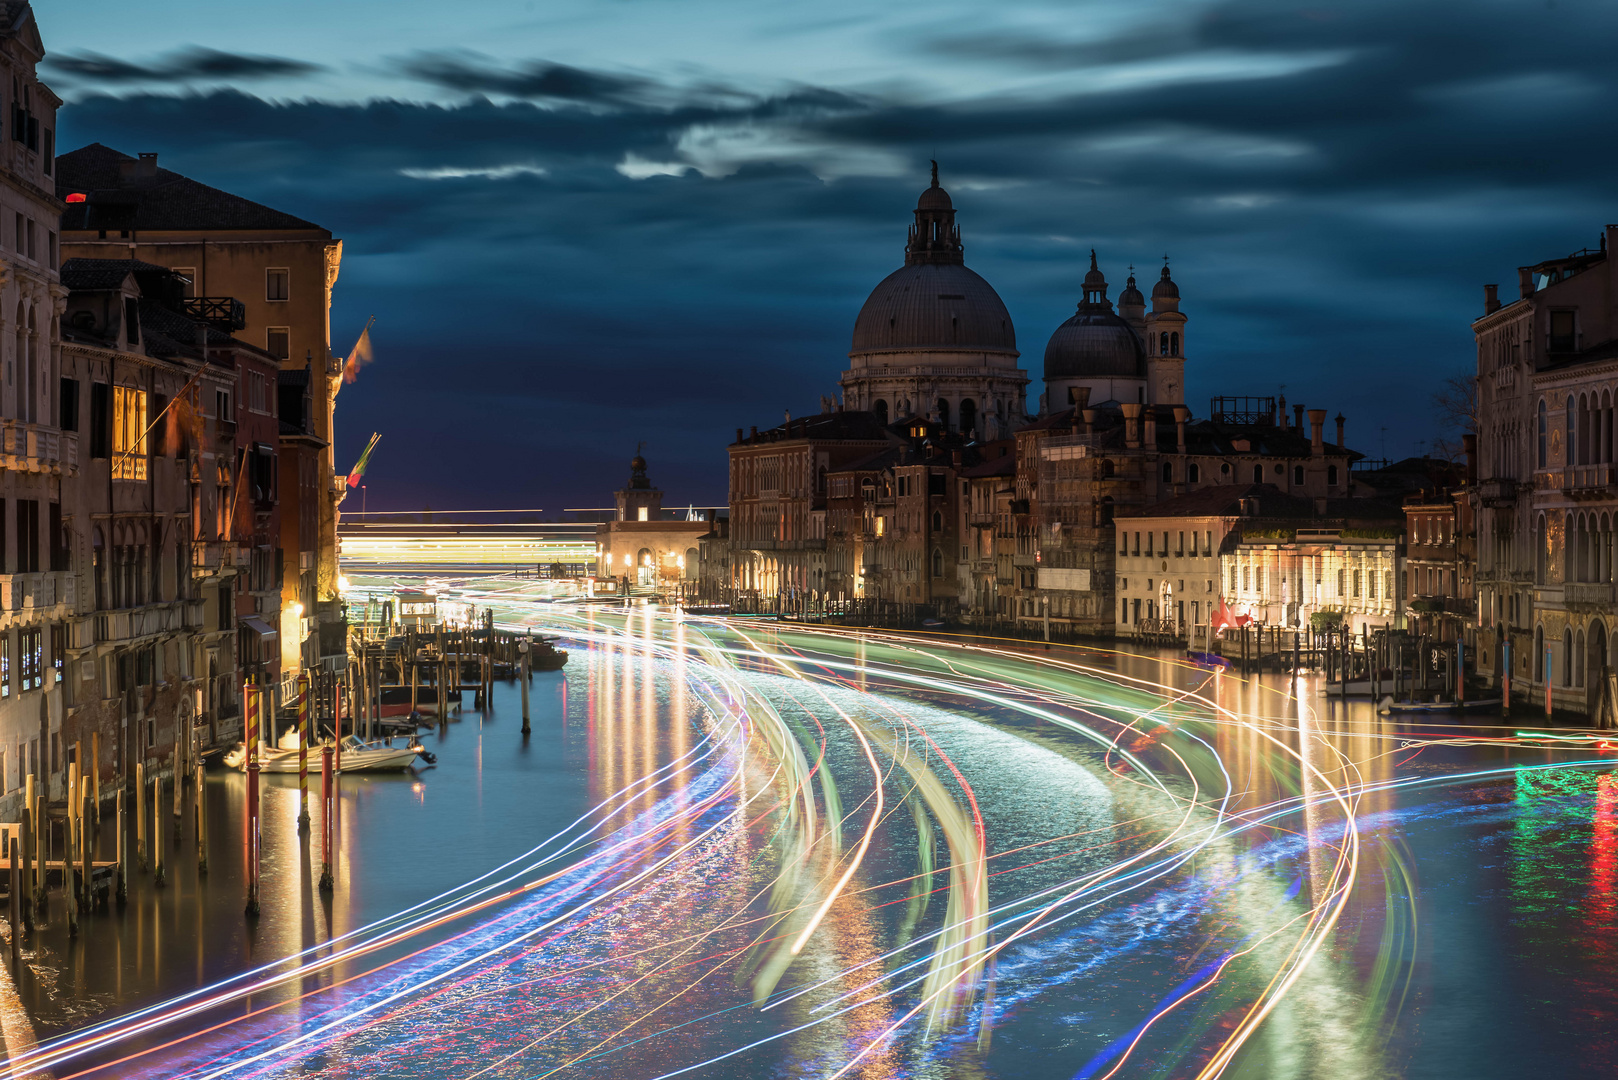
(1491, 299)
(955, 458)
(1181, 415)
(1282, 410)
(1081, 397)
(738, 434)
(1317, 421)
(146, 168)
(1525, 281)
(1089, 421)
(1469, 442)
(1340, 431)
(1132, 425)
(753, 437)
(1151, 428)
(1297, 417)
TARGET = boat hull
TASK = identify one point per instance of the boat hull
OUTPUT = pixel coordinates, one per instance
(376, 759)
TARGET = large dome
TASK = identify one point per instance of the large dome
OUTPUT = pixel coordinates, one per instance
(931, 305)
(1094, 342)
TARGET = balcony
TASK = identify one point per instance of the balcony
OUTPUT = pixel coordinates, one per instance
(34, 592)
(1595, 595)
(1500, 491)
(1588, 481)
(224, 312)
(210, 557)
(31, 447)
(224, 431)
(135, 623)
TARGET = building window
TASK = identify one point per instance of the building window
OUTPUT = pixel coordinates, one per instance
(1258, 474)
(58, 650)
(1562, 335)
(275, 284)
(33, 659)
(1356, 584)
(1193, 473)
(1541, 439)
(258, 392)
(1168, 472)
(1331, 476)
(278, 342)
(1342, 583)
(1297, 475)
(128, 433)
(5, 665)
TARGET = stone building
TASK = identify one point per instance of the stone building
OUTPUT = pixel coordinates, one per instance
(1079, 468)
(38, 461)
(1547, 496)
(934, 339)
(778, 488)
(269, 275)
(641, 547)
(1440, 559)
(988, 533)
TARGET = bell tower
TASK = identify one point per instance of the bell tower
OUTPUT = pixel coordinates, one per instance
(1165, 343)
(639, 500)
(935, 238)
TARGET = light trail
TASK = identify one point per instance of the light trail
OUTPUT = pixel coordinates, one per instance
(748, 781)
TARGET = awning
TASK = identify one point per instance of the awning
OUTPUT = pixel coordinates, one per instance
(258, 626)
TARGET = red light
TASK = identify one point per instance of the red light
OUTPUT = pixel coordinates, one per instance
(77, 196)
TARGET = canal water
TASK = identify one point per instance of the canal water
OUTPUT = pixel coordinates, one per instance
(1473, 884)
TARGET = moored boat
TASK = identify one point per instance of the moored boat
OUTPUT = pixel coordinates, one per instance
(357, 756)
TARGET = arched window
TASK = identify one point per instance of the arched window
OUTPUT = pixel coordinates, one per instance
(1541, 549)
(1297, 474)
(1193, 473)
(1331, 476)
(1168, 472)
(1106, 468)
(943, 413)
(938, 521)
(938, 563)
(1578, 659)
(969, 416)
(880, 407)
(1258, 474)
(1163, 344)
(1567, 657)
(1174, 344)
(1572, 432)
(1539, 654)
(1541, 458)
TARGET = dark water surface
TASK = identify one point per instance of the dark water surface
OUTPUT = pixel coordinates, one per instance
(1476, 934)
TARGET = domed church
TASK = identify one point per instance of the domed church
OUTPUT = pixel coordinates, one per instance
(1127, 356)
(934, 339)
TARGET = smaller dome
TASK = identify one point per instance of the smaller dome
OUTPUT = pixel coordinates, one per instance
(637, 463)
(1165, 287)
(1094, 343)
(934, 198)
(1131, 295)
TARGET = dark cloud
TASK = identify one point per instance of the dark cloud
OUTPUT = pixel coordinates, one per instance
(537, 79)
(193, 64)
(1331, 221)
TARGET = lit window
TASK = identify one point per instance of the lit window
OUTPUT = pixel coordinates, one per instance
(128, 433)
(33, 657)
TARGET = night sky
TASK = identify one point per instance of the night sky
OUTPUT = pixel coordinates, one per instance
(583, 225)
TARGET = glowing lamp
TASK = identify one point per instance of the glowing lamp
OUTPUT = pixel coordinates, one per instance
(77, 196)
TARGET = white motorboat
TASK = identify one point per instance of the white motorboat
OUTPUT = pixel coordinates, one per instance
(357, 756)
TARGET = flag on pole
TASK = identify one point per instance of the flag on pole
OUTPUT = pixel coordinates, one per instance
(361, 354)
(365, 459)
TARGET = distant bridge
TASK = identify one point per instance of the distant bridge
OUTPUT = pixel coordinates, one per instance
(465, 547)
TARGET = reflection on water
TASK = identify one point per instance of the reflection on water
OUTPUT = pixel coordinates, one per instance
(1466, 926)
